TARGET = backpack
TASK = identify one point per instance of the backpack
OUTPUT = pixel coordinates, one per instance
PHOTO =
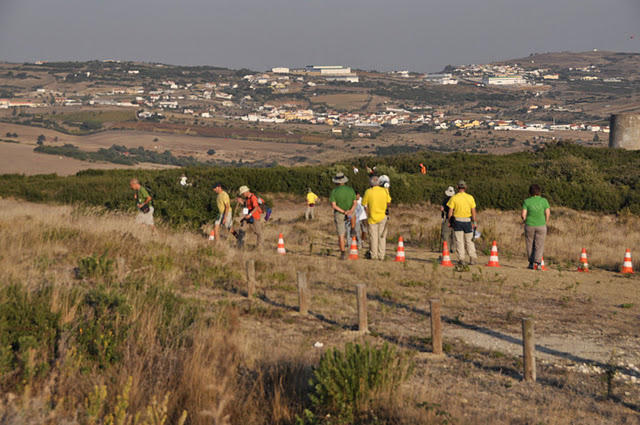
(265, 209)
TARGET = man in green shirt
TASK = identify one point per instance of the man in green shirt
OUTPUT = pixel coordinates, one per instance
(143, 203)
(535, 215)
(343, 202)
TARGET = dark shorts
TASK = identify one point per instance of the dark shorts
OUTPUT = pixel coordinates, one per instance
(462, 226)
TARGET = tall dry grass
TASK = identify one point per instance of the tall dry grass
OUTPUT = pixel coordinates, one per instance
(196, 359)
(188, 337)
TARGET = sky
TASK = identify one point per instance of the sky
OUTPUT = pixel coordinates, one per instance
(385, 35)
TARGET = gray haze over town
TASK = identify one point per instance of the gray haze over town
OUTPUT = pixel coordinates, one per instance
(366, 34)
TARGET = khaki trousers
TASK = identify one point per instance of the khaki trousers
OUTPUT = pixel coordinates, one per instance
(534, 237)
(378, 240)
(464, 246)
(256, 228)
(309, 213)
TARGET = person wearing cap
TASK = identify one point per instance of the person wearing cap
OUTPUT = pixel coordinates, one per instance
(343, 203)
(225, 215)
(312, 199)
(376, 200)
(462, 207)
(446, 233)
(535, 216)
(251, 213)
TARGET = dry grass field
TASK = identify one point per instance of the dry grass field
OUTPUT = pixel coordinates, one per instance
(249, 360)
(343, 101)
(20, 158)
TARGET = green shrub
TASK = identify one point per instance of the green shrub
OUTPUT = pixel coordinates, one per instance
(350, 384)
(104, 326)
(29, 334)
(94, 266)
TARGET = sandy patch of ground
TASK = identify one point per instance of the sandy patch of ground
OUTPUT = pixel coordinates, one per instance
(21, 159)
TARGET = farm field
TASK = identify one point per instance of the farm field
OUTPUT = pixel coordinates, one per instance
(20, 157)
(584, 323)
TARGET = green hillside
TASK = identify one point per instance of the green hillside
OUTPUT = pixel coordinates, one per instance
(581, 178)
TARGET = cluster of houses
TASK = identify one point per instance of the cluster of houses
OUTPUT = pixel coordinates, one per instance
(513, 75)
(219, 99)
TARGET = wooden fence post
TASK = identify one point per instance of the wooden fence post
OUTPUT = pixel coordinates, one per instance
(436, 326)
(303, 293)
(251, 278)
(528, 347)
(361, 295)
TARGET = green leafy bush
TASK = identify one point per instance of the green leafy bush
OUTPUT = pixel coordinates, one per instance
(348, 384)
(29, 334)
(104, 326)
(94, 266)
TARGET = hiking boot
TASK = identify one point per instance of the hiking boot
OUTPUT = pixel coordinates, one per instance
(343, 255)
(530, 266)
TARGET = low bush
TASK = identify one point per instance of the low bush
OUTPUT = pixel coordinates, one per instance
(352, 384)
(29, 334)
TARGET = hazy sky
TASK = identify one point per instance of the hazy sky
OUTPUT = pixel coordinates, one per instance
(419, 35)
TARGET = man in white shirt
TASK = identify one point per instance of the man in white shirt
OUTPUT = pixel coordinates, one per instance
(359, 220)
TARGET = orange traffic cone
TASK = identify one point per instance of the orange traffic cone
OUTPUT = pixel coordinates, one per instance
(446, 259)
(627, 266)
(400, 251)
(493, 258)
(281, 249)
(353, 250)
(212, 235)
(584, 264)
(542, 266)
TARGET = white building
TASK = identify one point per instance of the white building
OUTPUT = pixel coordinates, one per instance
(350, 78)
(504, 80)
(442, 79)
(280, 70)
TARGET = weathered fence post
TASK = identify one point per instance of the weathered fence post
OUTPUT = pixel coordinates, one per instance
(436, 326)
(361, 295)
(528, 347)
(303, 293)
(251, 278)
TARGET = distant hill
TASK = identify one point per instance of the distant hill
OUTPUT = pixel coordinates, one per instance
(607, 61)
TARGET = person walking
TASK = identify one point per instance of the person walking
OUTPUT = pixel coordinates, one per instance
(312, 200)
(143, 203)
(251, 214)
(535, 216)
(343, 203)
(462, 207)
(376, 200)
(225, 214)
(446, 232)
(359, 221)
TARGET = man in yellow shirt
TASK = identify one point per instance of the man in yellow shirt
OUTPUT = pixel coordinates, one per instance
(225, 215)
(462, 207)
(376, 200)
(312, 200)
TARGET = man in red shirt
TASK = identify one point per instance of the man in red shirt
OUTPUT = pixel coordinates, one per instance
(251, 213)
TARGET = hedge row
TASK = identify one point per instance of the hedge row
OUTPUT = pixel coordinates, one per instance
(577, 177)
